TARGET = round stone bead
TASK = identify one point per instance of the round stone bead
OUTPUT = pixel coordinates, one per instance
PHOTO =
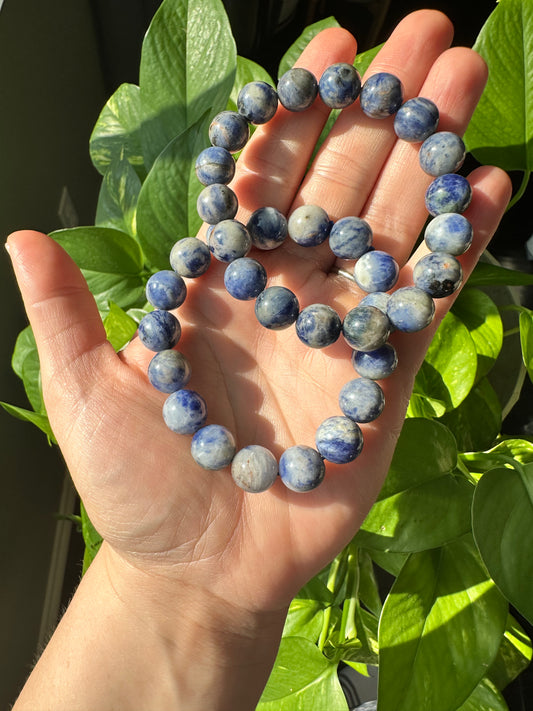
(448, 193)
(449, 232)
(416, 120)
(276, 308)
(443, 152)
(215, 165)
(301, 468)
(376, 271)
(318, 326)
(229, 240)
(309, 225)
(410, 309)
(377, 364)
(439, 274)
(184, 411)
(366, 328)
(267, 228)
(166, 290)
(169, 371)
(190, 257)
(339, 440)
(381, 95)
(213, 447)
(362, 400)
(159, 330)
(245, 278)
(379, 299)
(254, 469)
(297, 89)
(229, 130)
(257, 102)
(339, 85)
(350, 237)
(217, 202)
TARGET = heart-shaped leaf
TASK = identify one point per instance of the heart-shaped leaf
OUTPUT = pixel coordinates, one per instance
(485, 274)
(38, 419)
(119, 327)
(101, 249)
(117, 200)
(440, 629)
(502, 522)
(485, 697)
(513, 657)
(501, 130)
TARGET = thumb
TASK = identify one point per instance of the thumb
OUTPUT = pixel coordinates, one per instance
(68, 330)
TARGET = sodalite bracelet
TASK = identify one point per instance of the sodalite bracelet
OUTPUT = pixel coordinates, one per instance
(365, 328)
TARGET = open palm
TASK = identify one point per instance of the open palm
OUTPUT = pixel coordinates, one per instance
(155, 508)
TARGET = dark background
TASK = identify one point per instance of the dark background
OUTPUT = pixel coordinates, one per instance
(59, 62)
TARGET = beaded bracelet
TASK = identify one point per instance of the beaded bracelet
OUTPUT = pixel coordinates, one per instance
(365, 328)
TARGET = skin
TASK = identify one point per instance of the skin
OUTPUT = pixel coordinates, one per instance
(184, 605)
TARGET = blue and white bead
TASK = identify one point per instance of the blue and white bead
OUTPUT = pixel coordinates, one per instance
(309, 225)
(217, 202)
(443, 152)
(229, 130)
(362, 400)
(350, 237)
(159, 330)
(339, 85)
(257, 102)
(213, 447)
(416, 120)
(169, 371)
(439, 274)
(448, 193)
(381, 95)
(267, 228)
(379, 299)
(245, 279)
(449, 232)
(318, 326)
(276, 308)
(376, 271)
(377, 364)
(229, 240)
(215, 165)
(410, 309)
(297, 89)
(190, 257)
(184, 411)
(254, 469)
(301, 468)
(366, 328)
(339, 440)
(166, 290)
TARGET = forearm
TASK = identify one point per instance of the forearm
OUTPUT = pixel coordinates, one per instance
(121, 648)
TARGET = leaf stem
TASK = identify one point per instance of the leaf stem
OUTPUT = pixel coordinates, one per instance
(337, 571)
(348, 628)
(521, 190)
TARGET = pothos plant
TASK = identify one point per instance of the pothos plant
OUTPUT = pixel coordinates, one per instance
(453, 524)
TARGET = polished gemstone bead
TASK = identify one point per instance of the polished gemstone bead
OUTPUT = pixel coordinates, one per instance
(318, 326)
(229, 240)
(166, 290)
(410, 309)
(245, 278)
(448, 193)
(366, 328)
(276, 308)
(215, 165)
(213, 447)
(184, 411)
(254, 469)
(379, 299)
(159, 330)
(267, 228)
(297, 89)
(381, 95)
(376, 271)
(229, 130)
(169, 371)
(350, 237)
(309, 225)
(257, 102)
(362, 400)
(301, 468)
(449, 232)
(377, 364)
(190, 257)
(439, 274)
(339, 440)
(416, 119)
(217, 202)
(339, 85)
(443, 152)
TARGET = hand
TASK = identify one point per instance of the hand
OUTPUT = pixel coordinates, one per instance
(163, 517)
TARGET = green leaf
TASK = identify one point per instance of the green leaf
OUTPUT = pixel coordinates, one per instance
(101, 249)
(91, 538)
(449, 368)
(166, 210)
(502, 522)
(480, 315)
(422, 504)
(118, 131)
(187, 69)
(119, 327)
(25, 363)
(485, 697)
(125, 291)
(440, 629)
(526, 340)
(368, 585)
(294, 686)
(362, 61)
(390, 561)
(38, 419)
(499, 455)
(306, 611)
(477, 421)
(501, 130)
(118, 197)
(247, 71)
(513, 656)
(297, 47)
(485, 274)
